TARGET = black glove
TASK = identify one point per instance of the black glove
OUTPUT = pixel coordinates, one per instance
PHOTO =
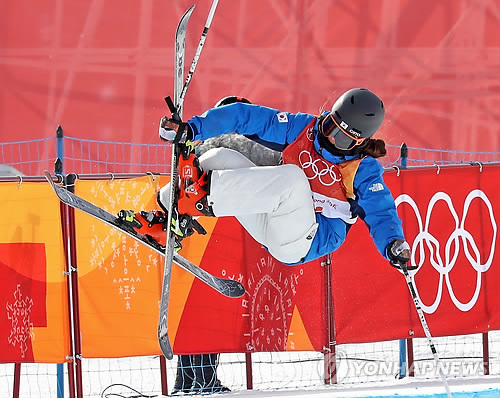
(169, 128)
(399, 254)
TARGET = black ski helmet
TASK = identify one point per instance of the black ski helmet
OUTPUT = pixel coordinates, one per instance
(355, 116)
(231, 99)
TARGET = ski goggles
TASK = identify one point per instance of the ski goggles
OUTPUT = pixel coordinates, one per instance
(343, 139)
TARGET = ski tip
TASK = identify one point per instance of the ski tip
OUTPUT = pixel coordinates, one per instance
(240, 291)
(163, 340)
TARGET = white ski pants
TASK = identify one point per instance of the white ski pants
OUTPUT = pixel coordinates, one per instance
(273, 203)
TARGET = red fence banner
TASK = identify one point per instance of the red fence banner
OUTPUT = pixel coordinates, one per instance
(34, 325)
(450, 217)
(282, 309)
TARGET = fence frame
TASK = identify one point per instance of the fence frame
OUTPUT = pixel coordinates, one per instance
(75, 384)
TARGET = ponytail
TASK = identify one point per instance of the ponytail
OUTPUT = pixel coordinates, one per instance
(374, 147)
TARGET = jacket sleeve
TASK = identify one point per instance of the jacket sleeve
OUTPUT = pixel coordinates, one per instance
(268, 126)
(374, 204)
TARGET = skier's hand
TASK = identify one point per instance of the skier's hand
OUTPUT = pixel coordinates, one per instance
(169, 128)
(399, 254)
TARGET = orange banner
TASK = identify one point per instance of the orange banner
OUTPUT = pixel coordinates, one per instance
(34, 300)
(119, 279)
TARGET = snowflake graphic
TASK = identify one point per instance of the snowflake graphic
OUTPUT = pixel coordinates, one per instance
(21, 326)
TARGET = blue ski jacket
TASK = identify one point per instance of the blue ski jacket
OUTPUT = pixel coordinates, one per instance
(373, 202)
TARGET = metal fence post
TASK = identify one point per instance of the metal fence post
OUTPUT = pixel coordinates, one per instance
(60, 146)
(404, 156)
(58, 168)
(403, 358)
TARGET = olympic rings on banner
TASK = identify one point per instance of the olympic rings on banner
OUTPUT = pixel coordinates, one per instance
(327, 175)
(460, 234)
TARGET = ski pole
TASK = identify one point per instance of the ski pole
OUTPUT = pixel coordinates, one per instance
(425, 326)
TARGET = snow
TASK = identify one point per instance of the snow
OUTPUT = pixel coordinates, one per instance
(483, 387)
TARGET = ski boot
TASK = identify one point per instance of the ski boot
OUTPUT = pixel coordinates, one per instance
(153, 224)
(194, 187)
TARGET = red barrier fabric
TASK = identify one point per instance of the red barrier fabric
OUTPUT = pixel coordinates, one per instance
(23, 270)
(283, 308)
(450, 220)
(434, 63)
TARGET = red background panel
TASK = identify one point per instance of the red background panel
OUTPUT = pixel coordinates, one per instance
(101, 69)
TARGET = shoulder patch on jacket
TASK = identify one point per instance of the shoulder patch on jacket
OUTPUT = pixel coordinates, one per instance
(282, 117)
(376, 187)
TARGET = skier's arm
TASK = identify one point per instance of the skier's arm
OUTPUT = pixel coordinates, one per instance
(268, 126)
(375, 205)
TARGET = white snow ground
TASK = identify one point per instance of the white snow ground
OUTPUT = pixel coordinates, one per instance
(481, 387)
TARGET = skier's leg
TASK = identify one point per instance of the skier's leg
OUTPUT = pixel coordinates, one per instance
(223, 159)
(274, 204)
(277, 230)
(193, 201)
(213, 159)
(198, 375)
(212, 362)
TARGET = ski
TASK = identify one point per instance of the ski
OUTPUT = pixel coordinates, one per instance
(180, 47)
(226, 287)
(178, 149)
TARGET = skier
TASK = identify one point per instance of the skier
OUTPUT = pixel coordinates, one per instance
(302, 209)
